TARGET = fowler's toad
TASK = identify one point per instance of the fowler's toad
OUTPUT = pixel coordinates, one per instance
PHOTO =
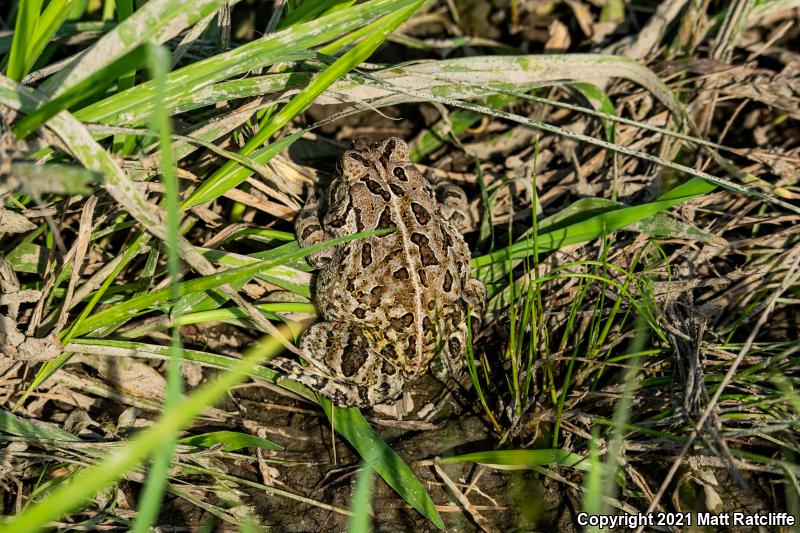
(389, 303)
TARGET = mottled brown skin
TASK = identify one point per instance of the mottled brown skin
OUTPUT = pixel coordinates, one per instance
(389, 303)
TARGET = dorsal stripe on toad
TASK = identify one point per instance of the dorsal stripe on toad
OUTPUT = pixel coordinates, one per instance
(419, 312)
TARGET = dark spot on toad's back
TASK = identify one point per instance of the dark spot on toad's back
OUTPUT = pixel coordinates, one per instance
(447, 283)
(310, 230)
(387, 368)
(420, 213)
(426, 324)
(454, 346)
(358, 157)
(366, 255)
(375, 188)
(354, 356)
(386, 219)
(391, 255)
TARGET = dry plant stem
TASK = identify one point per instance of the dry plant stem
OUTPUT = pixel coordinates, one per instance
(463, 500)
(787, 281)
(84, 234)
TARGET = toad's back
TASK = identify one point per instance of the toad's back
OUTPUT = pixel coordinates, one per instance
(406, 285)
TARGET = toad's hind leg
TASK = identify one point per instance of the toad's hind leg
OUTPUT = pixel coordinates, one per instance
(343, 366)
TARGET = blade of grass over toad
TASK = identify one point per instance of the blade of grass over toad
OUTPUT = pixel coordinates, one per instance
(350, 423)
(90, 481)
(159, 60)
(129, 308)
(231, 174)
(273, 48)
(156, 22)
(24, 29)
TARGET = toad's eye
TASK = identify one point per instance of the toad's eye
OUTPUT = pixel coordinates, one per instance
(354, 164)
(395, 149)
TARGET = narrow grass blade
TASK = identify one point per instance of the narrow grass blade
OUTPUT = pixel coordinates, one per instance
(521, 459)
(159, 61)
(230, 441)
(14, 425)
(311, 10)
(48, 24)
(361, 505)
(350, 423)
(55, 178)
(216, 187)
(24, 29)
(85, 88)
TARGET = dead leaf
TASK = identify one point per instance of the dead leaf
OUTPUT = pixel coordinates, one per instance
(11, 222)
(20, 347)
(558, 39)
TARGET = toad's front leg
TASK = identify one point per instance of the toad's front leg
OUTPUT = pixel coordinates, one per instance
(309, 231)
(343, 366)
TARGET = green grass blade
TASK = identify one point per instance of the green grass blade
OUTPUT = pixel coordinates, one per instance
(159, 60)
(49, 23)
(230, 441)
(361, 507)
(38, 431)
(213, 188)
(521, 459)
(350, 423)
(24, 29)
(310, 10)
(85, 88)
